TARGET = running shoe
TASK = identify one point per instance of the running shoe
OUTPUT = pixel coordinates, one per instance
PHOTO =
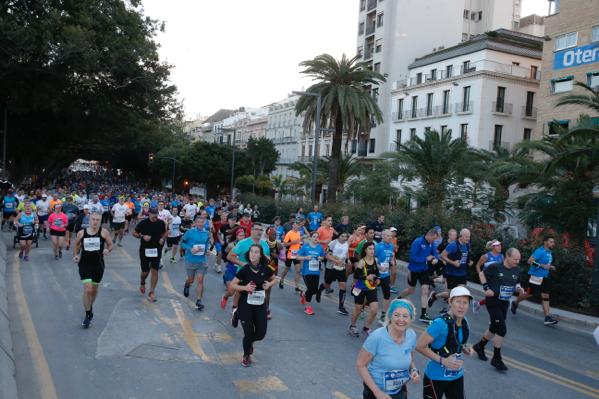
(142, 288)
(151, 297)
(186, 290)
(393, 290)
(219, 269)
(329, 291)
(119, 244)
(234, 318)
(86, 322)
(173, 260)
(297, 289)
(343, 311)
(199, 305)
(281, 286)
(382, 318)
(550, 321)
(475, 307)
(425, 318)
(514, 307)
(20, 254)
(26, 258)
(55, 257)
(480, 351)
(353, 331)
(60, 253)
(245, 361)
(223, 302)
(302, 298)
(497, 362)
(68, 247)
(319, 294)
(431, 299)
(309, 311)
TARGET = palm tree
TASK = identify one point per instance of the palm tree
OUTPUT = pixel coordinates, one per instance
(589, 100)
(349, 167)
(347, 105)
(280, 185)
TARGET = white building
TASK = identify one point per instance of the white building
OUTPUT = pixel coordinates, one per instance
(392, 33)
(532, 25)
(284, 128)
(484, 90)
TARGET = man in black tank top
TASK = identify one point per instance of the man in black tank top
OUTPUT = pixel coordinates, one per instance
(90, 247)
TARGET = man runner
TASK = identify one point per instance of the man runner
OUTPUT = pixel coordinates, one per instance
(152, 232)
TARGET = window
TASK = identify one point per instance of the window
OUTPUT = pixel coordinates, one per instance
(360, 50)
(379, 20)
(595, 34)
(443, 129)
(361, 28)
(449, 71)
(527, 134)
(375, 94)
(530, 97)
(466, 14)
(397, 139)
(466, 99)
(445, 102)
(378, 46)
(500, 101)
(466, 67)
(310, 151)
(371, 146)
(427, 129)
(377, 67)
(497, 136)
(473, 16)
(354, 146)
(433, 74)
(328, 149)
(562, 85)
(514, 63)
(556, 126)
(400, 108)
(593, 79)
(515, 25)
(414, 106)
(429, 104)
(565, 41)
(480, 15)
(534, 71)
(362, 5)
(464, 37)
(464, 131)
(412, 133)
(419, 78)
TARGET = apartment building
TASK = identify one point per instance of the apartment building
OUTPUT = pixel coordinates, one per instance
(284, 128)
(392, 33)
(483, 90)
(571, 54)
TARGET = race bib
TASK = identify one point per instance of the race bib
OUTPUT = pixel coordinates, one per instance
(505, 292)
(58, 222)
(294, 253)
(383, 267)
(27, 229)
(105, 208)
(464, 259)
(395, 379)
(453, 373)
(200, 248)
(8, 205)
(536, 280)
(356, 291)
(151, 252)
(313, 265)
(256, 298)
(91, 244)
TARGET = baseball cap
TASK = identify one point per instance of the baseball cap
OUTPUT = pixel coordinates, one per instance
(44, 195)
(86, 207)
(392, 229)
(460, 291)
(495, 243)
(153, 210)
(438, 228)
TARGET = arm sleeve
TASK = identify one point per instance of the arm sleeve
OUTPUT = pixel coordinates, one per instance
(359, 273)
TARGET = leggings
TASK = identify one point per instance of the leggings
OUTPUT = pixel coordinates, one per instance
(311, 281)
(253, 320)
(497, 314)
(386, 287)
(435, 389)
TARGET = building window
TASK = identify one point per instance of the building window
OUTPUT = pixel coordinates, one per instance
(378, 46)
(497, 137)
(377, 67)
(466, 14)
(530, 98)
(464, 131)
(555, 127)
(397, 139)
(429, 104)
(328, 149)
(473, 16)
(412, 134)
(379, 20)
(466, 67)
(310, 151)
(527, 134)
(375, 94)
(427, 129)
(445, 102)
(514, 63)
(534, 72)
(414, 106)
(361, 29)
(371, 146)
(433, 74)
(464, 37)
(466, 99)
(562, 85)
(500, 101)
(595, 34)
(443, 129)
(480, 15)
(354, 146)
(400, 108)
(362, 5)
(449, 71)
(566, 41)
(419, 78)
(593, 79)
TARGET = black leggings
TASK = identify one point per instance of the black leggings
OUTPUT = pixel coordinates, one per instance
(435, 389)
(253, 320)
(497, 314)
(386, 287)
(367, 393)
(311, 281)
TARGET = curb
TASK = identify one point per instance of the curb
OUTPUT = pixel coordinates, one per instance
(8, 383)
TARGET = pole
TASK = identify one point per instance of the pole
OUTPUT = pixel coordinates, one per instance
(316, 139)
(173, 180)
(233, 166)
(4, 131)
(595, 275)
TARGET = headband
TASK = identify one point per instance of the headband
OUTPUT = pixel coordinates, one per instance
(399, 303)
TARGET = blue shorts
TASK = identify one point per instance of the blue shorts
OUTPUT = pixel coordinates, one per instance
(218, 247)
(230, 272)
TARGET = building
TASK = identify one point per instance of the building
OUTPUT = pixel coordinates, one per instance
(210, 126)
(392, 33)
(483, 90)
(252, 125)
(532, 25)
(571, 54)
(284, 128)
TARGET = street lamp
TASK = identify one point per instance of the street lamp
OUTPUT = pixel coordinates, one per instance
(228, 129)
(595, 275)
(316, 138)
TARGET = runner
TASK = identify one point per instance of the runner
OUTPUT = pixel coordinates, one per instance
(421, 252)
(251, 282)
(95, 205)
(384, 252)
(71, 210)
(336, 268)
(230, 267)
(218, 222)
(58, 225)
(106, 216)
(145, 212)
(26, 223)
(152, 233)
(444, 343)
(500, 281)
(119, 213)
(91, 245)
(378, 225)
(457, 259)
(246, 223)
(310, 254)
(344, 225)
(314, 219)
(326, 233)
(276, 250)
(541, 262)
(9, 209)
(386, 361)
(289, 225)
(43, 208)
(393, 231)
(493, 256)
(293, 242)
(279, 229)
(174, 234)
(82, 221)
(196, 243)
(129, 217)
(366, 279)
(190, 209)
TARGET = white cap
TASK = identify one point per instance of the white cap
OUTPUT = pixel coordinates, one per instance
(495, 243)
(392, 229)
(460, 291)
(86, 207)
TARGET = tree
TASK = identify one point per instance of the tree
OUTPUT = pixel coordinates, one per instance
(374, 186)
(262, 156)
(347, 105)
(589, 100)
(349, 167)
(280, 185)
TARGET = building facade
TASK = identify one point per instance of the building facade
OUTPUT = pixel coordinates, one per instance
(391, 34)
(284, 128)
(571, 54)
(483, 90)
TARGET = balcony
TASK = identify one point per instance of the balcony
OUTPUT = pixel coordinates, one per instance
(464, 108)
(371, 4)
(504, 144)
(400, 84)
(529, 113)
(397, 116)
(368, 54)
(501, 108)
(305, 158)
(370, 28)
(284, 140)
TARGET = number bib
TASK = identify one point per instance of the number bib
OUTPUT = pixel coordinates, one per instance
(27, 229)
(8, 205)
(395, 379)
(505, 292)
(91, 244)
(293, 254)
(58, 222)
(314, 265)
(200, 248)
(383, 267)
(151, 252)
(453, 373)
(256, 298)
(356, 291)
(535, 280)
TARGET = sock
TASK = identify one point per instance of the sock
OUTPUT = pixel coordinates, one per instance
(341, 298)
(423, 312)
(322, 287)
(483, 341)
(497, 353)
(88, 313)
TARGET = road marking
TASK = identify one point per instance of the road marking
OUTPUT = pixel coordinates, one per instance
(261, 385)
(340, 395)
(188, 334)
(46, 383)
(127, 254)
(122, 280)
(229, 358)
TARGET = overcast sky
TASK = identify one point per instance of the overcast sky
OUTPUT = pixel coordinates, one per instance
(233, 53)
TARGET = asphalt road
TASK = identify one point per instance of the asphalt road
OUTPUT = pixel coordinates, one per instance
(168, 349)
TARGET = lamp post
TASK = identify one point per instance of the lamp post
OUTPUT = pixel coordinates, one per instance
(225, 129)
(316, 139)
(595, 275)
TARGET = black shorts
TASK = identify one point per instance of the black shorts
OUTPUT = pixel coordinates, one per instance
(117, 226)
(544, 288)
(149, 263)
(128, 217)
(402, 394)
(419, 277)
(42, 219)
(386, 287)
(454, 281)
(28, 237)
(9, 214)
(71, 227)
(331, 275)
(288, 262)
(91, 272)
(170, 241)
(57, 233)
(434, 389)
(365, 296)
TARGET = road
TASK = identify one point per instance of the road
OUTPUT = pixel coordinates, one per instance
(137, 349)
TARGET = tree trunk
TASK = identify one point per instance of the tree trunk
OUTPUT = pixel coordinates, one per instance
(334, 161)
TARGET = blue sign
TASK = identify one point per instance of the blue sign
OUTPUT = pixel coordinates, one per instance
(576, 56)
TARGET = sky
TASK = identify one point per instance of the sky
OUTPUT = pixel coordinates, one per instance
(245, 53)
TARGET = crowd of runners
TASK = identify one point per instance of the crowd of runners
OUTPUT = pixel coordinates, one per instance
(255, 258)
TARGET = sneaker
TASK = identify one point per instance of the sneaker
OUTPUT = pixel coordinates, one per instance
(68, 247)
(302, 298)
(281, 286)
(425, 318)
(297, 289)
(26, 258)
(199, 305)
(55, 257)
(309, 311)
(431, 299)
(550, 321)
(329, 291)
(186, 290)
(343, 311)
(393, 290)
(173, 260)
(382, 318)
(152, 297)
(223, 302)
(480, 351)
(119, 245)
(142, 288)
(245, 361)
(219, 269)
(234, 318)
(268, 315)
(60, 253)
(353, 331)
(86, 322)
(514, 307)
(498, 364)
(366, 331)
(475, 307)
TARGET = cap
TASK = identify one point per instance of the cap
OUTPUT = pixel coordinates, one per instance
(86, 207)
(392, 229)
(44, 195)
(460, 291)
(495, 243)
(438, 228)
(153, 210)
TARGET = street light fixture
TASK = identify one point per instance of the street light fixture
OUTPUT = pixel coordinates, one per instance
(228, 129)
(316, 138)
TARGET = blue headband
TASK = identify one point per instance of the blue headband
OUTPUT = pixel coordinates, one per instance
(398, 303)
